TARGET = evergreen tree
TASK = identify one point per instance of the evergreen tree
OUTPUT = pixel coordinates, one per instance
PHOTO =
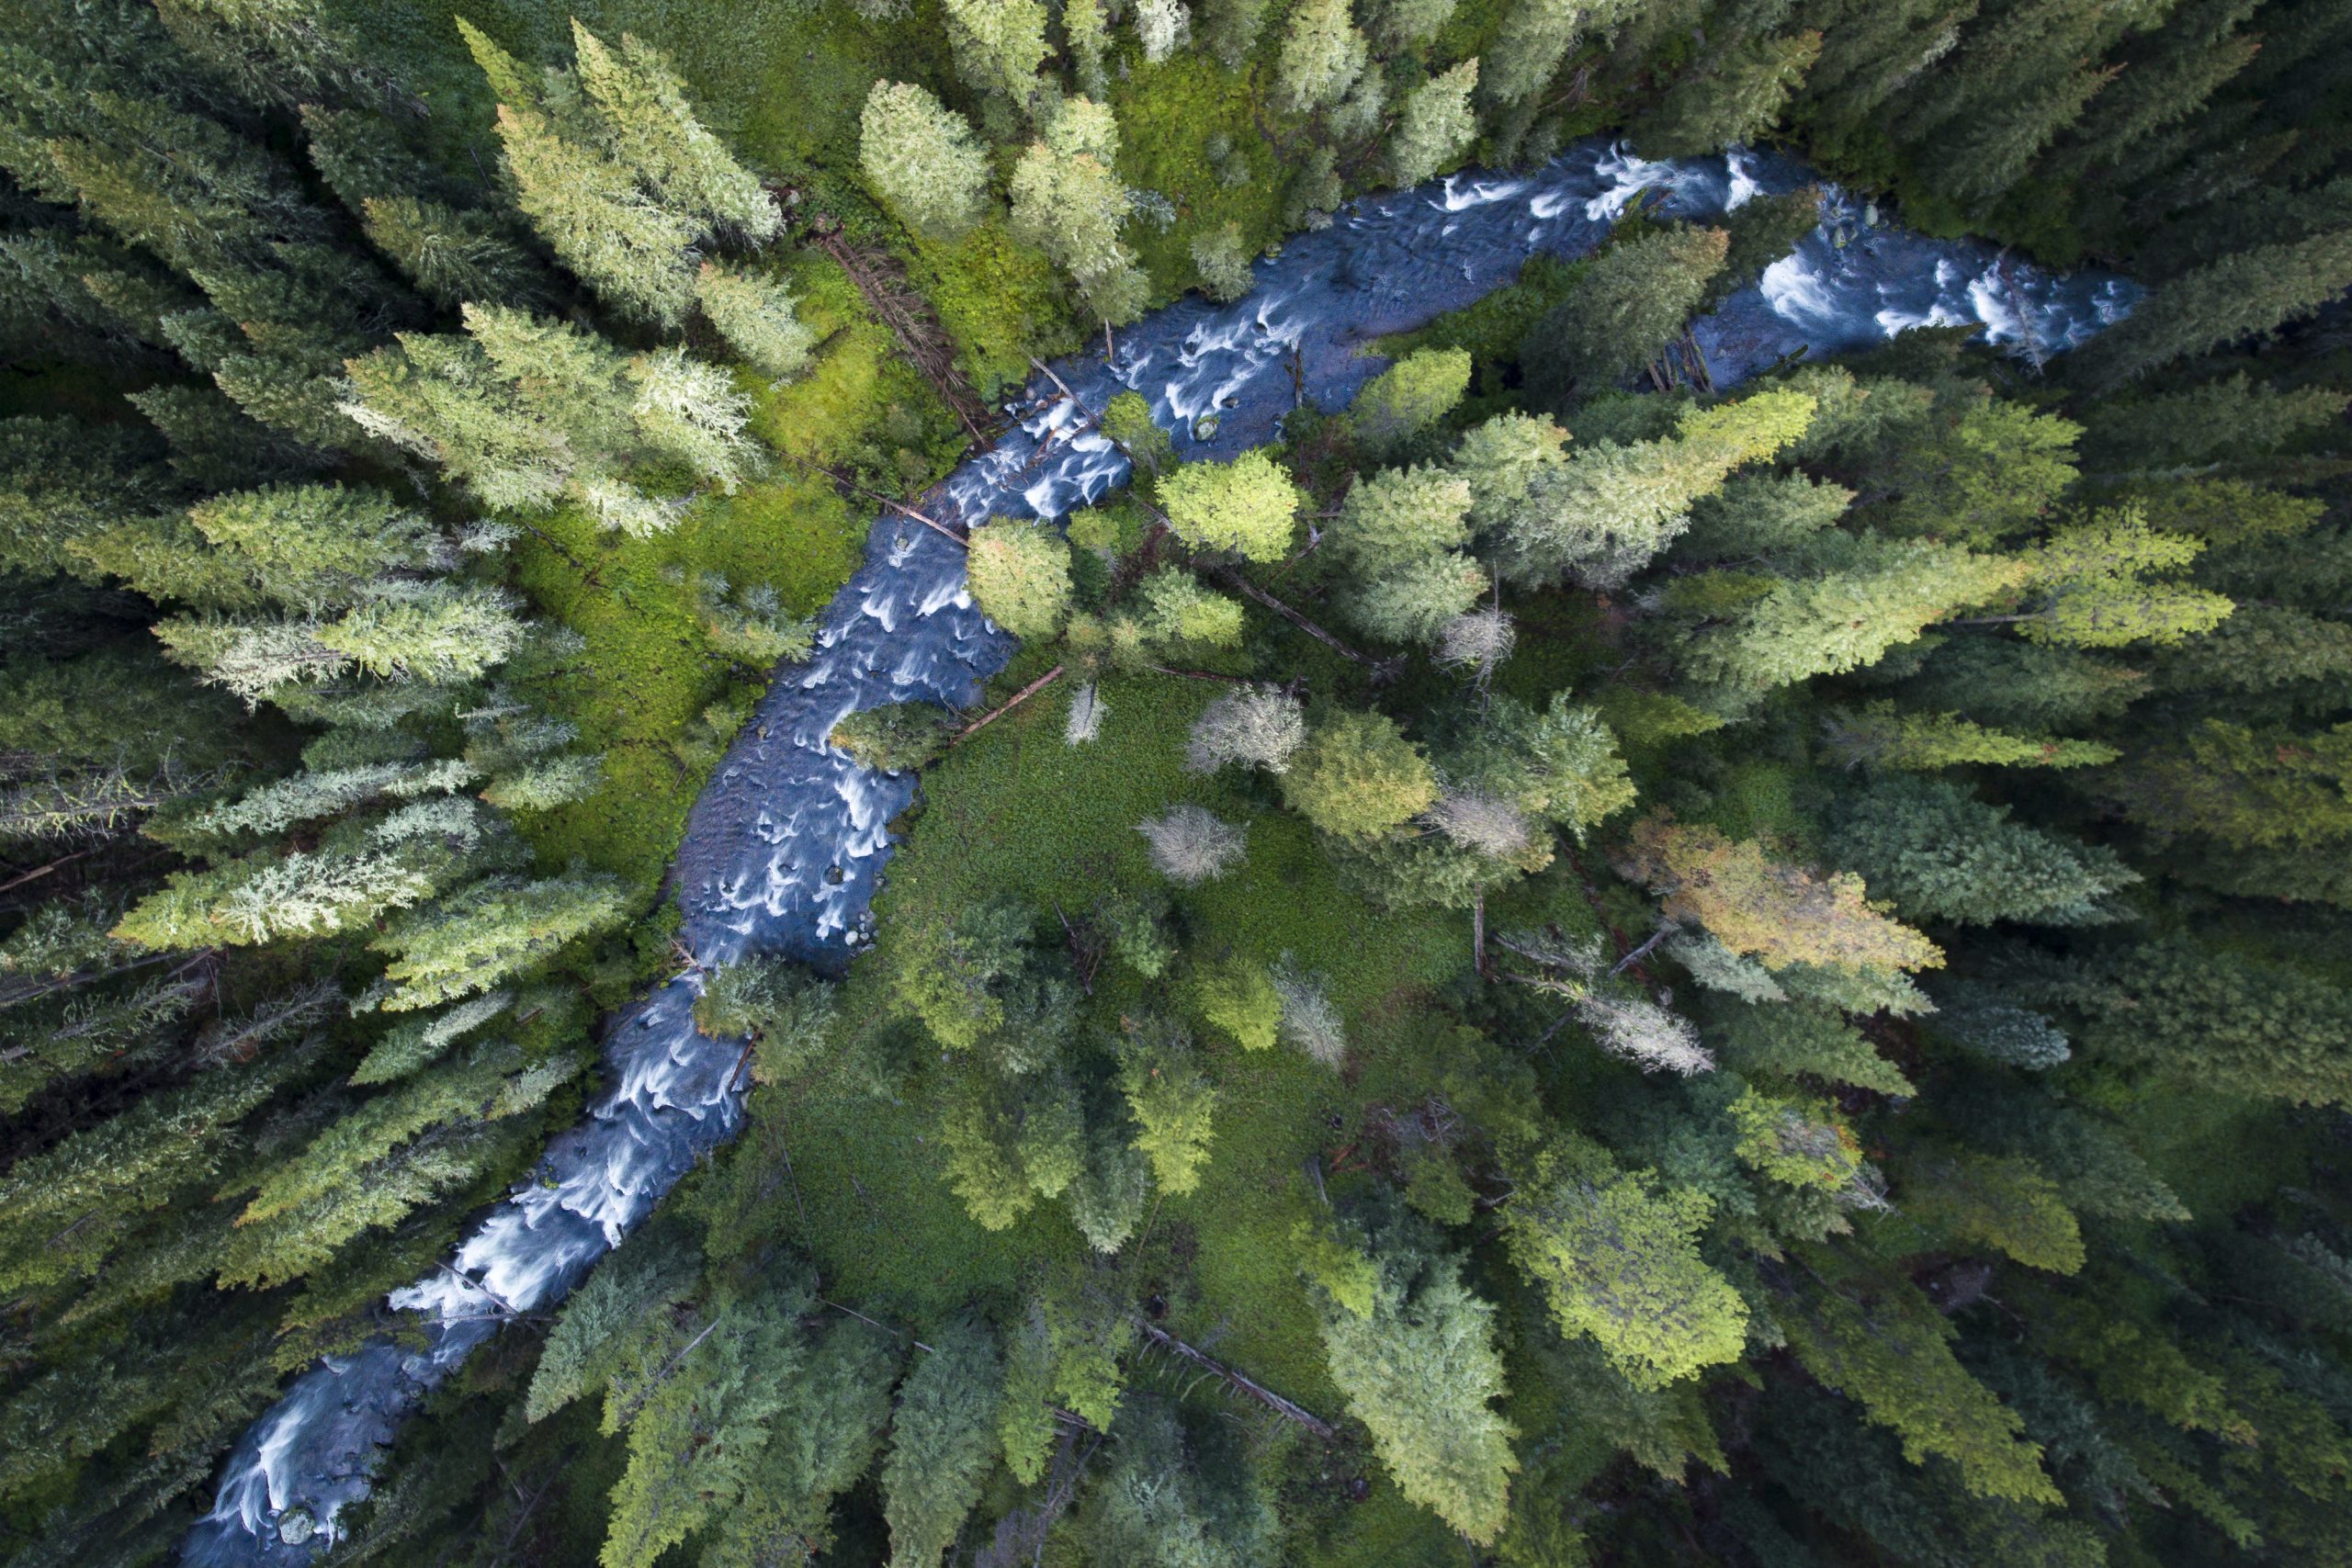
(1322, 56)
(1617, 1258)
(1357, 777)
(754, 315)
(1601, 515)
(1630, 301)
(1938, 853)
(1438, 123)
(1245, 506)
(919, 157)
(998, 45)
(942, 1440)
(1019, 575)
(1068, 200)
(2238, 297)
(1736, 97)
(1409, 397)
(1418, 1369)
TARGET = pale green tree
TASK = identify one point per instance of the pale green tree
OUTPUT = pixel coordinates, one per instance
(1246, 506)
(1437, 125)
(919, 157)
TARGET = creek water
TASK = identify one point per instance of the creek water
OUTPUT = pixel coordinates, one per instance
(786, 846)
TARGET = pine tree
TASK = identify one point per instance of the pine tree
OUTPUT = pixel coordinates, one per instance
(1357, 777)
(1860, 597)
(1223, 262)
(1886, 1346)
(695, 1438)
(1617, 1258)
(1996, 472)
(1882, 735)
(1419, 1369)
(1172, 1103)
(1438, 123)
(1068, 200)
(2239, 297)
(1736, 96)
(1397, 25)
(1088, 32)
(1245, 506)
(1020, 576)
(1409, 397)
(1604, 514)
(821, 1439)
(1632, 299)
(942, 1440)
(489, 931)
(1782, 914)
(644, 120)
(918, 156)
(1536, 36)
(998, 45)
(1937, 852)
(1322, 55)
(754, 314)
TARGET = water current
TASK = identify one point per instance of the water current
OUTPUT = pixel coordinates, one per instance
(784, 849)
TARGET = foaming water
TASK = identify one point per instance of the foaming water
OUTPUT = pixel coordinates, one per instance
(784, 850)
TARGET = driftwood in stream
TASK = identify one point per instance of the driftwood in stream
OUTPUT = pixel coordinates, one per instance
(1256, 1391)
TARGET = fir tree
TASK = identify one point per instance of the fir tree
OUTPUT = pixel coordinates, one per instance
(754, 315)
(2236, 298)
(1019, 575)
(1322, 55)
(1419, 1369)
(919, 157)
(1069, 201)
(998, 45)
(1438, 123)
(1357, 777)
(1245, 506)
(1409, 397)
(1735, 97)
(1632, 299)
(1938, 853)
(942, 1440)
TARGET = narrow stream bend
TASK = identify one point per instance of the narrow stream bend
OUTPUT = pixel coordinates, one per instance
(784, 849)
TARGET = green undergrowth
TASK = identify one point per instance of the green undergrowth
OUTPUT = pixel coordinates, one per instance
(641, 689)
(1015, 810)
(861, 408)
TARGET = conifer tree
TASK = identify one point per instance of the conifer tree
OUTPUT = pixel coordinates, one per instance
(1602, 514)
(1632, 299)
(1437, 123)
(494, 930)
(1397, 25)
(1322, 56)
(1617, 1258)
(1231, 28)
(1938, 853)
(754, 315)
(1735, 97)
(942, 1441)
(918, 156)
(998, 45)
(1068, 200)
(1245, 506)
(1409, 397)
(2236, 298)
(1223, 263)
(1419, 1369)
(1019, 575)
(1357, 777)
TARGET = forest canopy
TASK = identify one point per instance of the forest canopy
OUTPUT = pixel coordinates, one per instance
(1583, 944)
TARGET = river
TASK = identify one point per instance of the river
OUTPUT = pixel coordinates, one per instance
(786, 846)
